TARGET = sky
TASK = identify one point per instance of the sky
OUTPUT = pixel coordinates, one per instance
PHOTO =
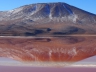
(87, 5)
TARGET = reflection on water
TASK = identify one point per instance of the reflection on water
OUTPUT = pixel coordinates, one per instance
(56, 51)
(88, 62)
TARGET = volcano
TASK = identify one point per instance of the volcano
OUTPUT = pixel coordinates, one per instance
(48, 32)
(47, 19)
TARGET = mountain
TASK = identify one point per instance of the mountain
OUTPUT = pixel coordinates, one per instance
(50, 27)
(47, 19)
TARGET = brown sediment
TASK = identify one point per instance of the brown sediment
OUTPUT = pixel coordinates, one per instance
(52, 49)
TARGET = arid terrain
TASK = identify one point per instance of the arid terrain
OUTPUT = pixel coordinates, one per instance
(47, 19)
(47, 32)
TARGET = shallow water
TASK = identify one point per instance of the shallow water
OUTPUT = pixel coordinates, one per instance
(48, 51)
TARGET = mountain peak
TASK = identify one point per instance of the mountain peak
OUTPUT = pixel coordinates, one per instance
(47, 19)
(43, 10)
(52, 11)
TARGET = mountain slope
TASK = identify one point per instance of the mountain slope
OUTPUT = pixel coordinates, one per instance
(51, 26)
(47, 19)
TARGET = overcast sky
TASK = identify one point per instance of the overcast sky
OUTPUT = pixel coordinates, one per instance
(88, 5)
